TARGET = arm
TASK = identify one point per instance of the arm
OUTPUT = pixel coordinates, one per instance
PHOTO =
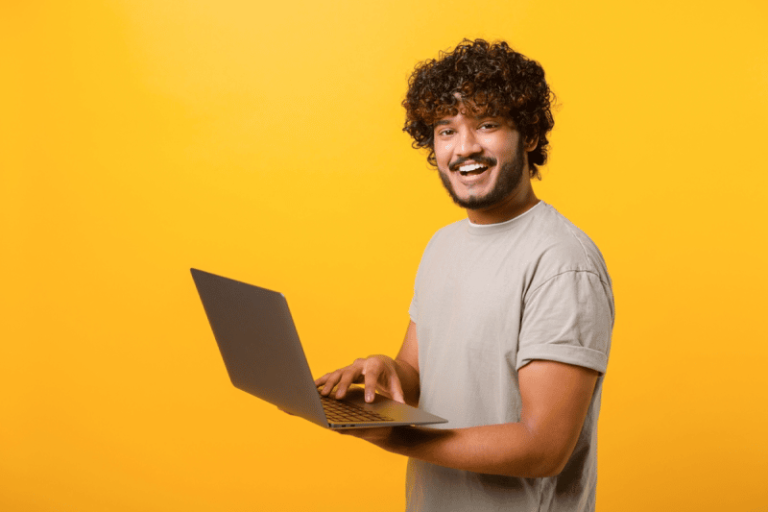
(555, 398)
(395, 378)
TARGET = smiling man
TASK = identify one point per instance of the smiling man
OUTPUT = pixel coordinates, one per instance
(465, 145)
(512, 312)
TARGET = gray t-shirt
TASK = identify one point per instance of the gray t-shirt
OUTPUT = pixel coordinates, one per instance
(488, 300)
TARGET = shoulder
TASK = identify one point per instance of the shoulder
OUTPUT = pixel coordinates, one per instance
(448, 235)
(558, 246)
(452, 230)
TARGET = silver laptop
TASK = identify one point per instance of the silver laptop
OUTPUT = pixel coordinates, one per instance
(261, 350)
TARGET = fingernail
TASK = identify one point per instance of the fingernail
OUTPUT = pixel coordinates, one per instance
(368, 396)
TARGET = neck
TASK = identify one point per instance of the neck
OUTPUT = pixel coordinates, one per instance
(519, 201)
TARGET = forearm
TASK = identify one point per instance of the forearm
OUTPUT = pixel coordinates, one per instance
(509, 449)
(556, 398)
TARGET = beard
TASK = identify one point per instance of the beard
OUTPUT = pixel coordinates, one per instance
(509, 178)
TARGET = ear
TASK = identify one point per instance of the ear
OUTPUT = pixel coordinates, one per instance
(530, 144)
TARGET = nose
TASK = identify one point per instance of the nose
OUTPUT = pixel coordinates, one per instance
(467, 144)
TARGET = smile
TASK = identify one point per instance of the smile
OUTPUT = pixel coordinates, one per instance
(468, 169)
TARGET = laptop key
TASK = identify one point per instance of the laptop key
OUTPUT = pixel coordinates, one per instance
(344, 412)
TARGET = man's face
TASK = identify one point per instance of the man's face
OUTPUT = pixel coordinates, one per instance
(480, 159)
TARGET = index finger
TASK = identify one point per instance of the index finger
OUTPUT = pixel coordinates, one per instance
(372, 371)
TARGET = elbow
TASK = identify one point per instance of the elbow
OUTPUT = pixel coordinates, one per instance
(541, 468)
(547, 462)
(552, 467)
(547, 455)
(544, 467)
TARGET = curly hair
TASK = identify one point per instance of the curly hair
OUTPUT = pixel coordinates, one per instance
(488, 79)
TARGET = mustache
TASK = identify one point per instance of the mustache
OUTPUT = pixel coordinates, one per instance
(487, 161)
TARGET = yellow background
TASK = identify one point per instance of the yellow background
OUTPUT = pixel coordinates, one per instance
(262, 141)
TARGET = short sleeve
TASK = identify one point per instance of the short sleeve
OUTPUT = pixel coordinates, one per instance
(569, 319)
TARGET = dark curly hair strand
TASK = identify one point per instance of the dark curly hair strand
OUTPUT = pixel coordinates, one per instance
(492, 79)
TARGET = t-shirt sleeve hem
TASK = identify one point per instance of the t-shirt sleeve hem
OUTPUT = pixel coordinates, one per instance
(569, 354)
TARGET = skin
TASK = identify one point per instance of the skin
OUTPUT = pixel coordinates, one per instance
(555, 396)
(465, 139)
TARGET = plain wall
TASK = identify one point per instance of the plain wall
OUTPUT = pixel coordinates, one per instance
(262, 141)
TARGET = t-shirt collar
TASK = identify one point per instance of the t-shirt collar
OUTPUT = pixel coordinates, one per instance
(487, 229)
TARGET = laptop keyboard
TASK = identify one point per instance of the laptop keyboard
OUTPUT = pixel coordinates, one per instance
(344, 412)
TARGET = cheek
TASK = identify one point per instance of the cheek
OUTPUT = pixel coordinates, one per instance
(443, 152)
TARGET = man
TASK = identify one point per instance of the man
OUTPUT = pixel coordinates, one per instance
(512, 313)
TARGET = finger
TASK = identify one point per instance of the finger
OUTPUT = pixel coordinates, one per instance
(396, 388)
(351, 374)
(372, 372)
(330, 382)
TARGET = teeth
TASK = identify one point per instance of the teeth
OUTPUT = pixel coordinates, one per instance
(470, 167)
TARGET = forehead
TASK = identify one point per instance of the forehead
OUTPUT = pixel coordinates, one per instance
(467, 108)
(460, 113)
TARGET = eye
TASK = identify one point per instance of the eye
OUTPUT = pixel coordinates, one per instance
(488, 126)
(445, 132)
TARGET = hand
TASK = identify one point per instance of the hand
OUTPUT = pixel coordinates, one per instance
(398, 439)
(380, 436)
(378, 372)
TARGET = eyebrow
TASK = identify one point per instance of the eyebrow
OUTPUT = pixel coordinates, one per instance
(477, 118)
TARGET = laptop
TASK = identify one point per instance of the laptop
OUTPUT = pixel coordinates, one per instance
(264, 357)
